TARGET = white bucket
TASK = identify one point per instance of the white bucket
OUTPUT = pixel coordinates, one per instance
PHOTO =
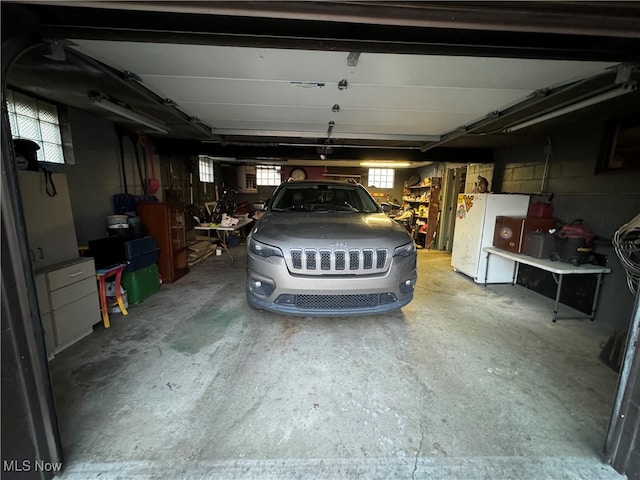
(117, 219)
(111, 297)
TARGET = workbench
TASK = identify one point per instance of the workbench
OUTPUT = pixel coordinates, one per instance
(223, 232)
(557, 268)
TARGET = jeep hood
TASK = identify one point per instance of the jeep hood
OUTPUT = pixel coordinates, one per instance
(329, 230)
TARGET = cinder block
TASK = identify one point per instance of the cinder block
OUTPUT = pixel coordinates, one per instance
(538, 170)
(577, 169)
(523, 173)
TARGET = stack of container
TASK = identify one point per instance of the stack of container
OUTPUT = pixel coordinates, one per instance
(141, 278)
(126, 226)
(118, 225)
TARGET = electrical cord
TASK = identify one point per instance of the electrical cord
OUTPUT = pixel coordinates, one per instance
(626, 242)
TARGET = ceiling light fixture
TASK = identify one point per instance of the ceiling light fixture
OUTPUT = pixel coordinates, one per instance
(324, 152)
(385, 164)
(105, 104)
(343, 84)
(571, 108)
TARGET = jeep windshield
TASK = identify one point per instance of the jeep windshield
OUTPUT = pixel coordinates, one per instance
(323, 198)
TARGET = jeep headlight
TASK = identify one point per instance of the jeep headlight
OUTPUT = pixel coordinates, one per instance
(263, 250)
(405, 250)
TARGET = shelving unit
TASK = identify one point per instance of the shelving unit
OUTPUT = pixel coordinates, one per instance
(425, 201)
(166, 223)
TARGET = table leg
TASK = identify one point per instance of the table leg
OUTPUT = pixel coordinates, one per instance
(486, 269)
(224, 245)
(103, 301)
(118, 294)
(223, 237)
(555, 310)
(594, 307)
(516, 268)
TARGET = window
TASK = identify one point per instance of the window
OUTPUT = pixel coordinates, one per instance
(33, 119)
(205, 167)
(381, 177)
(268, 176)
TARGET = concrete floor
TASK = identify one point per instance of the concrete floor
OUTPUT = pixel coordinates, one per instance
(464, 383)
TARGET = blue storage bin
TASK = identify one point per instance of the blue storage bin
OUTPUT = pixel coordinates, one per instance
(140, 253)
(124, 203)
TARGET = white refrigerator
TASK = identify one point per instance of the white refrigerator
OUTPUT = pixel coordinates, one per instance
(475, 223)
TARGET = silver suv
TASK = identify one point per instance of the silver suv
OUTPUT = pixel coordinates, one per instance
(327, 248)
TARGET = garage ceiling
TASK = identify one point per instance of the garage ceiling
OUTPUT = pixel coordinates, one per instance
(254, 82)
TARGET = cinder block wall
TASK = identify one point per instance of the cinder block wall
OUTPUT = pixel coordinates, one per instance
(433, 170)
(474, 170)
(572, 163)
(603, 200)
(96, 175)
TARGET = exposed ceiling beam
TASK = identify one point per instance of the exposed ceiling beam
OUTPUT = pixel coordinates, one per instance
(546, 30)
(307, 134)
(607, 19)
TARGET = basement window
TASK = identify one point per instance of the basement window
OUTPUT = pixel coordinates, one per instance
(206, 170)
(36, 120)
(268, 176)
(381, 177)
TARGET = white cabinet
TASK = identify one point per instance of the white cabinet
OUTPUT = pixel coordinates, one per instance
(68, 300)
(45, 313)
(66, 284)
(50, 230)
(247, 179)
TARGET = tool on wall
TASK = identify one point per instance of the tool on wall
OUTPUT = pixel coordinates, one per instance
(124, 202)
(143, 184)
(122, 164)
(26, 152)
(152, 183)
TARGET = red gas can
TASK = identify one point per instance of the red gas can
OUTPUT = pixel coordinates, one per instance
(540, 210)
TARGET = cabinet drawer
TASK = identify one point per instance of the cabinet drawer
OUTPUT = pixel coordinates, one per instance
(71, 293)
(72, 273)
(75, 320)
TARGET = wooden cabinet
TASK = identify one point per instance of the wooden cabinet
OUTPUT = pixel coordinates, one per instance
(425, 202)
(68, 301)
(165, 222)
(50, 230)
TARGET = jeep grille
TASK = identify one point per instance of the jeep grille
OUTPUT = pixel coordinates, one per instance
(337, 302)
(327, 261)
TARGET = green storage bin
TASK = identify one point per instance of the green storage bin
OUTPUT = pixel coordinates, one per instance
(142, 283)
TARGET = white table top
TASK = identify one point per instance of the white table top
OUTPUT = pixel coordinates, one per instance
(561, 268)
(214, 226)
